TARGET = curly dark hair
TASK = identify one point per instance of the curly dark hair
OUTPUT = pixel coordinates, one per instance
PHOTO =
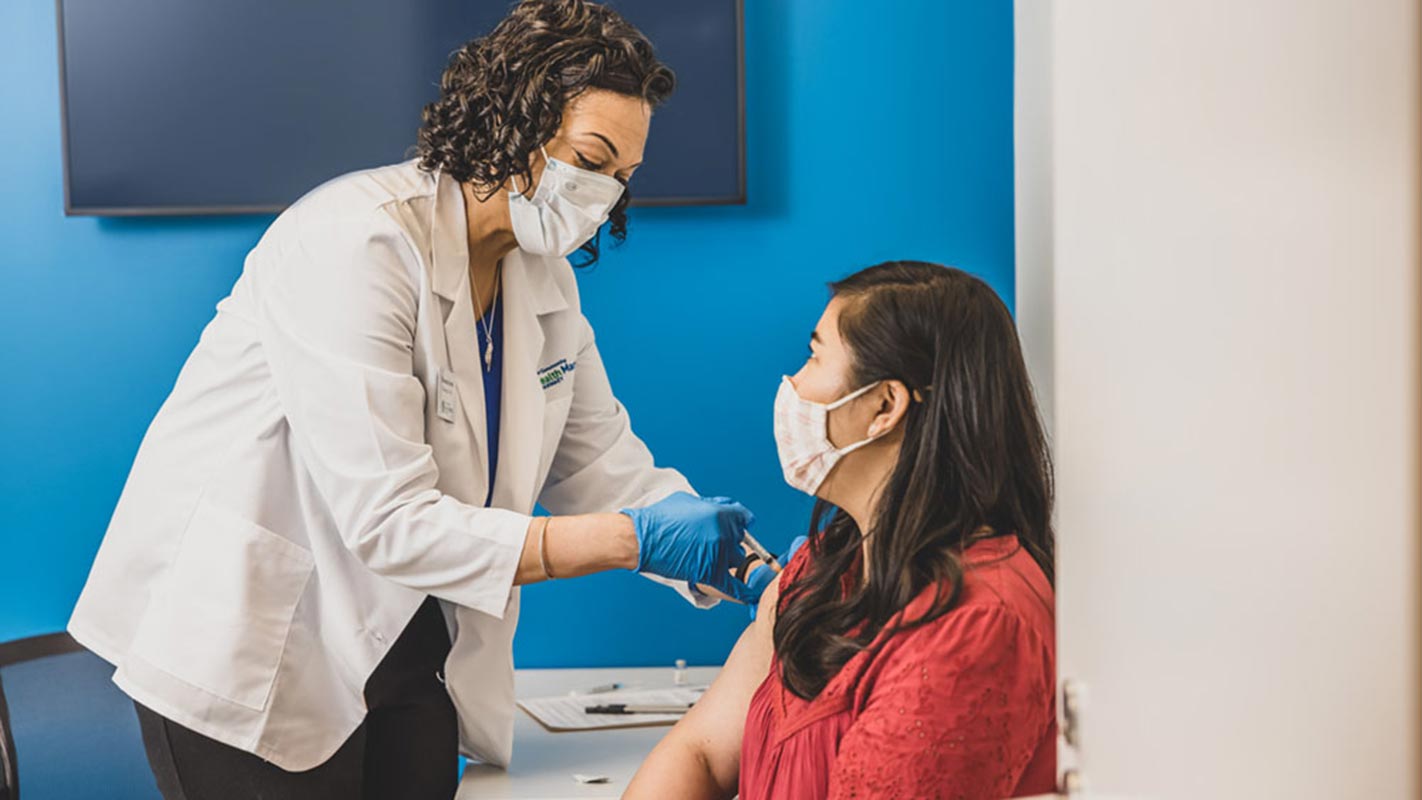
(502, 95)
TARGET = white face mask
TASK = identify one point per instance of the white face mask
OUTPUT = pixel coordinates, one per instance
(568, 207)
(802, 436)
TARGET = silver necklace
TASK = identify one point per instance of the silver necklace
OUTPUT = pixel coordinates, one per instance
(488, 324)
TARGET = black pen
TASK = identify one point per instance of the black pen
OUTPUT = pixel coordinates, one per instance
(629, 708)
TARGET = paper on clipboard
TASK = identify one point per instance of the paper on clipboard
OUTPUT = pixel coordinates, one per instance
(565, 713)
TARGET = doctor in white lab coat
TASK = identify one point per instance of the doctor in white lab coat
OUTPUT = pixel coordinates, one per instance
(317, 487)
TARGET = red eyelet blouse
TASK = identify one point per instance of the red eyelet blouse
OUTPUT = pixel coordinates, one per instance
(963, 707)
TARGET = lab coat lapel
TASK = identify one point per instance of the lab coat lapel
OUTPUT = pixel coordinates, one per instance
(521, 430)
(451, 282)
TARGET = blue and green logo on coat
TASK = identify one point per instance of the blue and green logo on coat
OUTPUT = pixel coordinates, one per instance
(554, 373)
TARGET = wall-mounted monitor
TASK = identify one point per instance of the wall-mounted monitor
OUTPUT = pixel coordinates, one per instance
(241, 106)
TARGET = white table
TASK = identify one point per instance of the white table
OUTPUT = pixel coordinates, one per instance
(543, 763)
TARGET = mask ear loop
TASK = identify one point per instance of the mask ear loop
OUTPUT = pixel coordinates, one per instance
(514, 178)
(915, 395)
(852, 395)
(844, 451)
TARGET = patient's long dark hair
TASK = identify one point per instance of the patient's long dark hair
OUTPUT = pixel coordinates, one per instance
(974, 456)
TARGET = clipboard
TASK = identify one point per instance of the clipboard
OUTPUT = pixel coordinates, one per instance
(567, 714)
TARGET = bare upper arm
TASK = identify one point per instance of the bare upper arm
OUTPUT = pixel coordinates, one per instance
(766, 612)
(710, 734)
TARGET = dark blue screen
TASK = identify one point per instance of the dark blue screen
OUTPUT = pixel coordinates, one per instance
(173, 106)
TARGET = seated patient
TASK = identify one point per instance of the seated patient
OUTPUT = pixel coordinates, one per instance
(906, 651)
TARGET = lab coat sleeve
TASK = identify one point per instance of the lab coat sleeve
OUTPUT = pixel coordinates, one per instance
(600, 464)
(336, 308)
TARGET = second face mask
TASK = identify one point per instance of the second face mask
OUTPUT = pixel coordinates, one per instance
(802, 436)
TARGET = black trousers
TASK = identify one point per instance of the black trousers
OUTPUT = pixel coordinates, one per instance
(407, 747)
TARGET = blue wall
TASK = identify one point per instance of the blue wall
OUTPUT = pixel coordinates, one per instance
(872, 136)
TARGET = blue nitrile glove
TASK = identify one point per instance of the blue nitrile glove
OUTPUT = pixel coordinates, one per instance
(690, 538)
(762, 576)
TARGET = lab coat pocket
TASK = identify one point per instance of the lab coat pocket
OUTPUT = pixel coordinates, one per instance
(219, 620)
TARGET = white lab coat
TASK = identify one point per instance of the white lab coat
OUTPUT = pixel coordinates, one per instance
(299, 493)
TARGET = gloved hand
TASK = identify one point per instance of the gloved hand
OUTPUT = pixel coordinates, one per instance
(695, 539)
(762, 576)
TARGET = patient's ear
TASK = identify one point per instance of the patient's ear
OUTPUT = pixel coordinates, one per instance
(894, 399)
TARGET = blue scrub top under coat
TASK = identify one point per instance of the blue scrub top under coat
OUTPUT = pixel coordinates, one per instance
(493, 382)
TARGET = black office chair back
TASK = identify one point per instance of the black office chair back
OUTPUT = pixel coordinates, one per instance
(66, 727)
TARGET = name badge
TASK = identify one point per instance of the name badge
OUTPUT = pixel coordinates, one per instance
(444, 399)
